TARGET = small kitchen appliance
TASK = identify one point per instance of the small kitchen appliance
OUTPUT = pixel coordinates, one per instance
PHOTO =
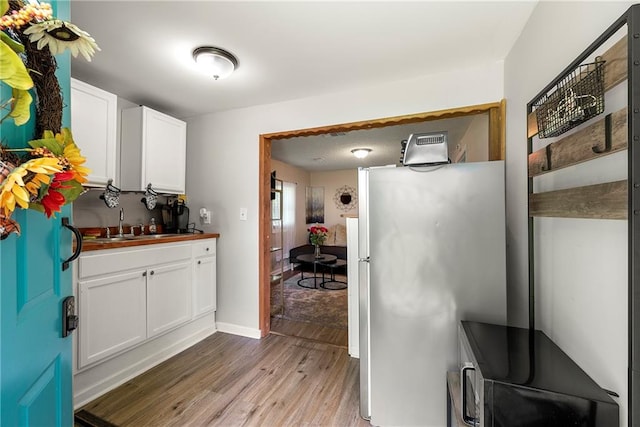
(175, 217)
(518, 377)
(429, 148)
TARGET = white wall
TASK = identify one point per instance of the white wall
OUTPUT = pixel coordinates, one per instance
(581, 265)
(302, 179)
(476, 140)
(331, 181)
(222, 154)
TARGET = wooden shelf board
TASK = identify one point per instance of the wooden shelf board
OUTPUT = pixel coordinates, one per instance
(599, 201)
(578, 147)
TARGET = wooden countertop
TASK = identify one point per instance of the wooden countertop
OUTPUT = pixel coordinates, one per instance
(93, 245)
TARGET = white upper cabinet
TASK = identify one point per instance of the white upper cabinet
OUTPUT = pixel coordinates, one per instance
(153, 151)
(94, 125)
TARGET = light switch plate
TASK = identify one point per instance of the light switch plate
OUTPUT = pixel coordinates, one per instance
(243, 214)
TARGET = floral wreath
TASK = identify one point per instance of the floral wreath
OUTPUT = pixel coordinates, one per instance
(49, 174)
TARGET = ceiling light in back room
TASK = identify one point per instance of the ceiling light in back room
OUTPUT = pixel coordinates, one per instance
(215, 61)
(361, 153)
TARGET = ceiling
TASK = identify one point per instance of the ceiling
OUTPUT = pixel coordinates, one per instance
(333, 151)
(286, 50)
(289, 50)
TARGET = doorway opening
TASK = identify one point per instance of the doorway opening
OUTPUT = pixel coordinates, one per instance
(496, 113)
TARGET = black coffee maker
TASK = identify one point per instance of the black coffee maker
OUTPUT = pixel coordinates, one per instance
(175, 217)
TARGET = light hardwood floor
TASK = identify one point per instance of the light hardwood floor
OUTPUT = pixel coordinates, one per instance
(227, 380)
(310, 331)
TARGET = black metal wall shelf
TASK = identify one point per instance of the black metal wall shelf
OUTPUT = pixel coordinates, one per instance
(541, 162)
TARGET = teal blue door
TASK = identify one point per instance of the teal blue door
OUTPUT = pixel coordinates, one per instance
(35, 360)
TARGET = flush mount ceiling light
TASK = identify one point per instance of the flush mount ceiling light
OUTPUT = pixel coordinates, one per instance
(361, 153)
(215, 61)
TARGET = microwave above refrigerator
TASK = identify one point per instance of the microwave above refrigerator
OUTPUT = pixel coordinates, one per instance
(516, 377)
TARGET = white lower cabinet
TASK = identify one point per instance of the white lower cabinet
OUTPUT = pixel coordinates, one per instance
(112, 311)
(129, 296)
(168, 297)
(204, 277)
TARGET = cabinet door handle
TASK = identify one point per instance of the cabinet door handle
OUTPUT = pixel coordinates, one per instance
(144, 274)
(207, 249)
(152, 272)
(199, 262)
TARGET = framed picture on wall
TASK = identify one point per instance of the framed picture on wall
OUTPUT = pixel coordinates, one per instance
(314, 208)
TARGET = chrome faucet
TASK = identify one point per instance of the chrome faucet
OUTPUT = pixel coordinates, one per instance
(139, 227)
(120, 233)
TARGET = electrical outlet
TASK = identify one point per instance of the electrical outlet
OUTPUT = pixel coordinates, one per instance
(243, 214)
(205, 216)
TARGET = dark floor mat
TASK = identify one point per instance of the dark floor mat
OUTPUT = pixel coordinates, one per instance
(87, 419)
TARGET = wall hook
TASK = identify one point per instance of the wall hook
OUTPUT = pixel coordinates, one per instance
(547, 149)
(607, 137)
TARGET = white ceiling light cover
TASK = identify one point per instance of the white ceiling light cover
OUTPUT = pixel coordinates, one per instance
(215, 62)
(361, 153)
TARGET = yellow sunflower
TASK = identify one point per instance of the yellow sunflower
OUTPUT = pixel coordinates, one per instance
(12, 189)
(71, 152)
(60, 36)
(34, 184)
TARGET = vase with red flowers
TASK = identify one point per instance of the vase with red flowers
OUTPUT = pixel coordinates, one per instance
(317, 236)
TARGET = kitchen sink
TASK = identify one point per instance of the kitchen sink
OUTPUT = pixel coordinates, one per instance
(152, 236)
(128, 238)
(109, 239)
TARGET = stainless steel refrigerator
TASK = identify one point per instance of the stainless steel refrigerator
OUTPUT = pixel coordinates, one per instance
(432, 252)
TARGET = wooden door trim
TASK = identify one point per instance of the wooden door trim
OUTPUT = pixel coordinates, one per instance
(497, 132)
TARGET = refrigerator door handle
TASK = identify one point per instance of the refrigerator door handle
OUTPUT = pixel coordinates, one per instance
(468, 420)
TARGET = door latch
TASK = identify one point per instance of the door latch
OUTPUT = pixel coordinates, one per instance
(69, 318)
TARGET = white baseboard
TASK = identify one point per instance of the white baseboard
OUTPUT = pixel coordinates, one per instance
(243, 331)
(93, 382)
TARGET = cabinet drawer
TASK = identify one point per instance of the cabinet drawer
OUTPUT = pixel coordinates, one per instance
(110, 260)
(204, 248)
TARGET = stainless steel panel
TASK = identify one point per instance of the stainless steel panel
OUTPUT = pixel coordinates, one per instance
(363, 213)
(437, 255)
(363, 291)
(468, 358)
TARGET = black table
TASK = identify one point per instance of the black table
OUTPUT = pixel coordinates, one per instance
(333, 266)
(324, 260)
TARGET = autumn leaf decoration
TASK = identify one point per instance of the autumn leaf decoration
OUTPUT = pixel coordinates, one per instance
(50, 173)
(50, 177)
